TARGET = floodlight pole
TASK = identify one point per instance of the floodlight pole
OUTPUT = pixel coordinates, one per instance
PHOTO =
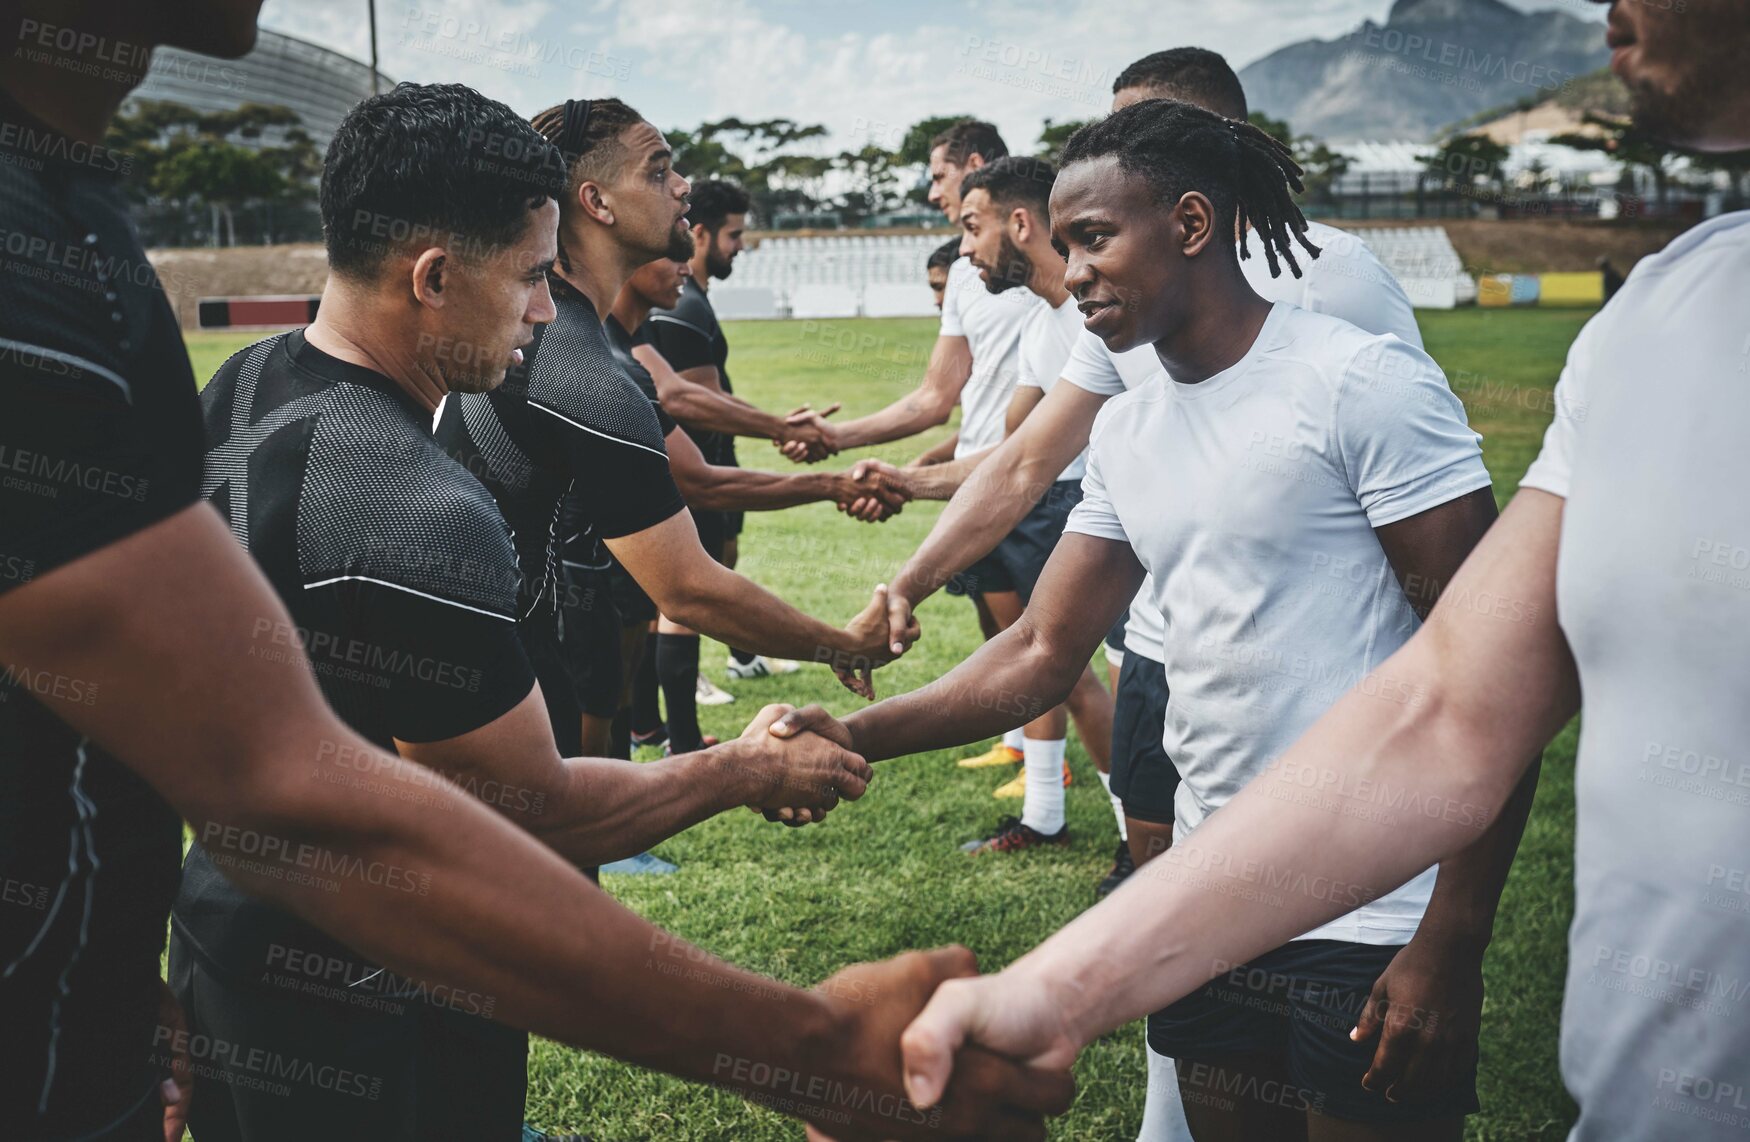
(372, 4)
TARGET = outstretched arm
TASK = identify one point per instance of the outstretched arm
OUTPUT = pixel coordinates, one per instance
(593, 810)
(999, 492)
(930, 404)
(1013, 678)
(696, 399)
(1498, 681)
(695, 590)
(718, 488)
(245, 748)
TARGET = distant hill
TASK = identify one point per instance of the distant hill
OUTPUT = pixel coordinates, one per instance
(1431, 64)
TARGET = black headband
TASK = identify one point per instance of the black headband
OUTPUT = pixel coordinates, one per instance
(572, 130)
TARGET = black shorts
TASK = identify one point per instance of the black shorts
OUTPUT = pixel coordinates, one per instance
(1115, 636)
(589, 639)
(1016, 563)
(539, 634)
(1143, 776)
(636, 608)
(382, 1058)
(1298, 1002)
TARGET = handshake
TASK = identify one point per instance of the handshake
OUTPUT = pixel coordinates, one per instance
(871, 490)
(907, 1046)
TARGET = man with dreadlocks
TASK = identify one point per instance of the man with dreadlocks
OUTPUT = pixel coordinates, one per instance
(1300, 490)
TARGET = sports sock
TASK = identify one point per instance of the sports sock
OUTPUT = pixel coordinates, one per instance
(742, 657)
(1117, 805)
(620, 735)
(1042, 811)
(1163, 1111)
(677, 669)
(646, 713)
(1014, 739)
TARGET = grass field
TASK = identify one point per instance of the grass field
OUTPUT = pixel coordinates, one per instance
(884, 875)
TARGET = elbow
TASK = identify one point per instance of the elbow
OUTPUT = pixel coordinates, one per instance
(1052, 668)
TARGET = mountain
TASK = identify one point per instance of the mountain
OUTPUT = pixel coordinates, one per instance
(1431, 64)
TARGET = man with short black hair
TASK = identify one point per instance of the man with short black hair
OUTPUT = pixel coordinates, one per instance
(1190, 75)
(401, 577)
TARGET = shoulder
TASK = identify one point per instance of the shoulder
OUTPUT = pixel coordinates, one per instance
(1124, 414)
(576, 379)
(381, 502)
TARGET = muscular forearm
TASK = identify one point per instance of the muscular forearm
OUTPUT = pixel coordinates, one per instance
(742, 489)
(1303, 843)
(990, 501)
(612, 809)
(941, 481)
(1468, 890)
(1007, 682)
(735, 610)
(699, 408)
(908, 416)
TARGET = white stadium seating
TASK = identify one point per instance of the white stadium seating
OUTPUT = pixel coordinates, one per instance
(1423, 260)
(856, 274)
(882, 275)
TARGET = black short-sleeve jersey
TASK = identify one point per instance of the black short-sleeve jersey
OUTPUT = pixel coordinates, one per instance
(570, 422)
(689, 336)
(99, 439)
(394, 563)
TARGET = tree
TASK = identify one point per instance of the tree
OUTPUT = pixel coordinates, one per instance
(1619, 139)
(1462, 160)
(1055, 135)
(775, 181)
(219, 160)
(1320, 166)
(875, 185)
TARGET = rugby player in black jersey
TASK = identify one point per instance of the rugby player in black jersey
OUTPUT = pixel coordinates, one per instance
(402, 581)
(136, 690)
(573, 423)
(716, 491)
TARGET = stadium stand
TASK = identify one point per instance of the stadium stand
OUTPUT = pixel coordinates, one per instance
(850, 275)
(1425, 263)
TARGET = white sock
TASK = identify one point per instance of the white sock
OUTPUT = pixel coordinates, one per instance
(1163, 1111)
(1117, 805)
(1043, 764)
(1013, 740)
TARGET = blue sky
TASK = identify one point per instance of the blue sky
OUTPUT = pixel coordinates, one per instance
(866, 70)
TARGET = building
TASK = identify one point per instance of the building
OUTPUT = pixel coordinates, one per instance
(319, 84)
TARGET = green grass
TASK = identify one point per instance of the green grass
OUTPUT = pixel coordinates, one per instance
(883, 875)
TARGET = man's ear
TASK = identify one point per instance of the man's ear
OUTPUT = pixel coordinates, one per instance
(1196, 217)
(594, 203)
(428, 276)
(1022, 220)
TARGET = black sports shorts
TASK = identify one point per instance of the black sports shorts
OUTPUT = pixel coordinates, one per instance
(1143, 776)
(1299, 1002)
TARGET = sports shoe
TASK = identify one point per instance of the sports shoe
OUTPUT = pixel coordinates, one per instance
(706, 742)
(1009, 790)
(998, 754)
(658, 736)
(530, 1134)
(1122, 866)
(644, 864)
(708, 693)
(761, 667)
(1012, 836)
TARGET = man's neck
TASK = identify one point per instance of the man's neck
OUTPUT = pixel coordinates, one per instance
(700, 273)
(358, 333)
(630, 310)
(1224, 323)
(64, 96)
(1046, 280)
(599, 265)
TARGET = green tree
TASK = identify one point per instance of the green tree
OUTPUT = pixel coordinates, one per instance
(875, 183)
(1464, 162)
(1054, 135)
(217, 160)
(1619, 139)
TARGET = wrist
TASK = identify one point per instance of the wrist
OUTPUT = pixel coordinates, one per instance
(735, 771)
(1454, 936)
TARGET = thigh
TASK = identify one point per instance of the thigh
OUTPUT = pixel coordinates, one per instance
(589, 641)
(1238, 1098)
